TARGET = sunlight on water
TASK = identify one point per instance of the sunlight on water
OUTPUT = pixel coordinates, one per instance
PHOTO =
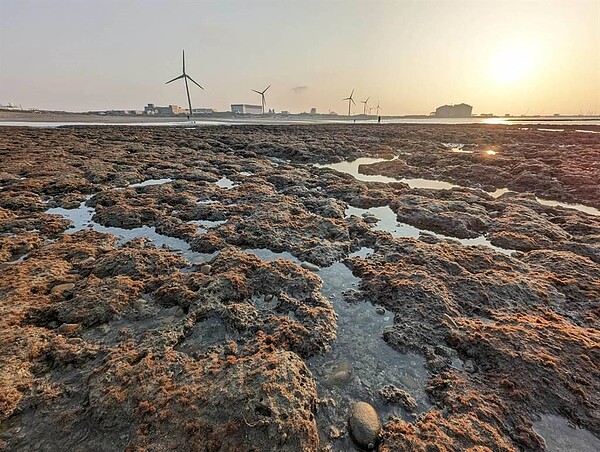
(495, 121)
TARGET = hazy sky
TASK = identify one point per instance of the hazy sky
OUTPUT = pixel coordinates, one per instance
(539, 57)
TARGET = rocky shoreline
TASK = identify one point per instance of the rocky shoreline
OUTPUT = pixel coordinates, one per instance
(232, 301)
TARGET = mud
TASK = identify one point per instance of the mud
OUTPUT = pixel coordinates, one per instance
(214, 289)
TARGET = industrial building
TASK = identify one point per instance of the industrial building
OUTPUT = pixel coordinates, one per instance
(454, 111)
(203, 111)
(171, 110)
(246, 109)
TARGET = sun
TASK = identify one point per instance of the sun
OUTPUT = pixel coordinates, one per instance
(512, 64)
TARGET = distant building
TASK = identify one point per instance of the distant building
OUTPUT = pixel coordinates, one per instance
(116, 112)
(10, 106)
(454, 111)
(203, 111)
(246, 109)
(313, 111)
(171, 110)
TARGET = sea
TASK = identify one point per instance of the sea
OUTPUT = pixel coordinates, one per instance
(532, 122)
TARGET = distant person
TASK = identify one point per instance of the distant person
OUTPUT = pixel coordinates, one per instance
(378, 119)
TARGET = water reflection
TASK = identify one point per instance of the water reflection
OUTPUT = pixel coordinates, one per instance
(389, 223)
(151, 182)
(81, 218)
(581, 207)
(352, 168)
(225, 183)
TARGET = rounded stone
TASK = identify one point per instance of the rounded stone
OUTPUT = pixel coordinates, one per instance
(309, 266)
(62, 288)
(205, 269)
(380, 310)
(68, 328)
(89, 261)
(340, 375)
(364, 425)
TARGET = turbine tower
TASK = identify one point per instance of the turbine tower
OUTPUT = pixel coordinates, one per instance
(366, 106)
(262, 97)
(185, 77)
(349, 99)
(378, 108)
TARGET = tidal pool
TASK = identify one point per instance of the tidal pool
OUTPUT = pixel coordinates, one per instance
(148, 182)
(352, 168)
(359, 362)
(81, 218)
(561, 436)
(225, 183)
(389, 223)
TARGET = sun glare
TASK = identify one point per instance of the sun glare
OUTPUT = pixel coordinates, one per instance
(512, 64)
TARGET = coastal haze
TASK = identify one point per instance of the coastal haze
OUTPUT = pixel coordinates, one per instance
(536, 58)
(197, 253)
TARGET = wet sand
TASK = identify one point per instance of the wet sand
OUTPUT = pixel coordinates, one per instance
(226, 288)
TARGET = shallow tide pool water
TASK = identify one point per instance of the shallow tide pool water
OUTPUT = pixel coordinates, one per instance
(388, 223)
(149, 182)
(352, 168)
(81, 218)
(359, 362)
(357, 365)
(561, 436)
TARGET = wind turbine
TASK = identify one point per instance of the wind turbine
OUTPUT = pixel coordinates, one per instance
(349, 99)
(185, 77)
(366, 106)
(262, 97)
(378, 108)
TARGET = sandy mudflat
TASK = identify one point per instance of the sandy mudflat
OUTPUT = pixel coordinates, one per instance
(237, 298)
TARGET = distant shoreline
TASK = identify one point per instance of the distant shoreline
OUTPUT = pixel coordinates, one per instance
(225, 117)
